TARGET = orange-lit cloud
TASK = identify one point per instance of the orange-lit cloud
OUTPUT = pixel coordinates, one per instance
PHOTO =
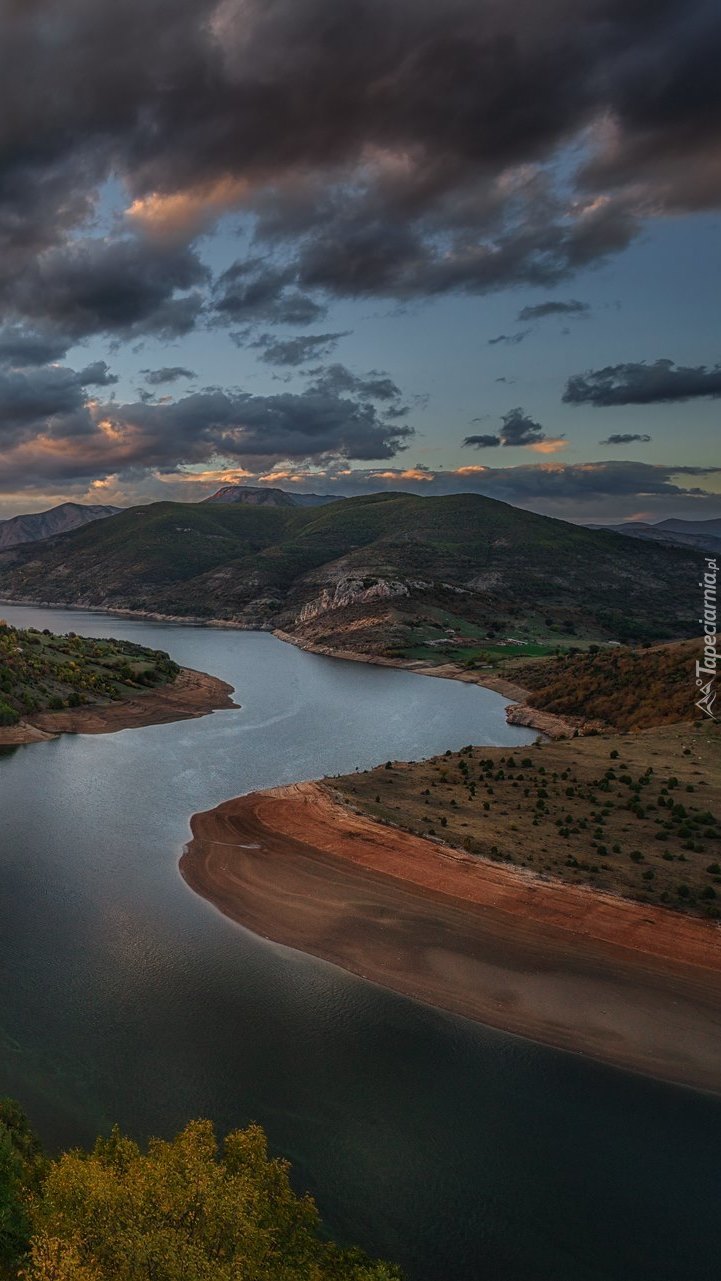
(410, 473)
(289, 477)
(551, 445)
(180, 214)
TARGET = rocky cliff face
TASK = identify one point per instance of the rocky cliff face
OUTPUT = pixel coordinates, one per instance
(251, 496)
(255, 496)
(355, 591)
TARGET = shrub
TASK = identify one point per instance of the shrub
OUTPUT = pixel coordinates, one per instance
(8, 715)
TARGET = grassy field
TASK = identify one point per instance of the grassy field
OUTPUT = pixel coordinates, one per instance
(443, 636)
(637, 814)
(43, 672)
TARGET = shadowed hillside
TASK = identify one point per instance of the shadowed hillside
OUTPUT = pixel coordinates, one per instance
(400, 561)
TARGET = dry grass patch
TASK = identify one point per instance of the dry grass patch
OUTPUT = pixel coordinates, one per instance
(637, 814)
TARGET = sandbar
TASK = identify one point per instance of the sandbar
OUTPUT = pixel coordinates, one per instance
(624, 983)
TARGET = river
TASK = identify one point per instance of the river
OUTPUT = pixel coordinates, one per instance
(460, 1152)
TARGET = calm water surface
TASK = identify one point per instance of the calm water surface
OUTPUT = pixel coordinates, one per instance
(465, 1154)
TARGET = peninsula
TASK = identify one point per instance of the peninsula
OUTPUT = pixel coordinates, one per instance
(568, 892)
(72, 684)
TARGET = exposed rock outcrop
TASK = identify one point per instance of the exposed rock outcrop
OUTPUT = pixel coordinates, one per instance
(355, 591)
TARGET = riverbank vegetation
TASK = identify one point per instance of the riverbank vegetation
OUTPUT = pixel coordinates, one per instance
(637, 814)
(187, 1209)
(42, 672)
(627, 689)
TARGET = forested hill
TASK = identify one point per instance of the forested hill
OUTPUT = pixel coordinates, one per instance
(462, 557)
(42, 672)
(625, 688)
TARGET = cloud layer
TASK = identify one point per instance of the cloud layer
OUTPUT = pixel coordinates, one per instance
(554, 308)
(56, 429)
(609, 491)
(400, 149)
(393, 149)
(642, 384)
(626, 438)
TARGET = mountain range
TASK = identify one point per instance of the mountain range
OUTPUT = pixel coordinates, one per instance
(57, 520)
(376, 572)
(702, 534)
(36, 526)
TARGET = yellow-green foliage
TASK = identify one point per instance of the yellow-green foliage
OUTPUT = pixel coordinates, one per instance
(183, 1211)
(43, 672)
(627, 688)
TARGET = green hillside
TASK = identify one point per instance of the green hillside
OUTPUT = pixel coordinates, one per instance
(412, 563)
(41, 672)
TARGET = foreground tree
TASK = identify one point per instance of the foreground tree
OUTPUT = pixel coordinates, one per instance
(22, 1166)
(183, 1211)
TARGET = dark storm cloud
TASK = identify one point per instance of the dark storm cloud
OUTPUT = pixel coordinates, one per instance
(509, 340)
(371, 249)
(482, 442)
(251, 292)
(97, 375)
(50, 432)
(542, 309)
(21, 348)
(625, 438)
(236, 425)
(123, 287)
(299, 349)
(517, 429)
(401, 149)
(167, 374)
(51, 400)
(642, 384)
(337, 380)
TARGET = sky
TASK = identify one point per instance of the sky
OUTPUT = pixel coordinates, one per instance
(339, 247)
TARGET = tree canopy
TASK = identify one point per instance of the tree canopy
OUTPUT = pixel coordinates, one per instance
(184, 1210)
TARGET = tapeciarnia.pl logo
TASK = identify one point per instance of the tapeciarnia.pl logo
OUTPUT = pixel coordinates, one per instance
(706, 670)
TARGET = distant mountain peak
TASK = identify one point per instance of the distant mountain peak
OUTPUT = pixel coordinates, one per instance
(35, 526)
(257, 496)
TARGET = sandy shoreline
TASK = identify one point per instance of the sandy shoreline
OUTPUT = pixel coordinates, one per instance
(192, 694)
(630, 985)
